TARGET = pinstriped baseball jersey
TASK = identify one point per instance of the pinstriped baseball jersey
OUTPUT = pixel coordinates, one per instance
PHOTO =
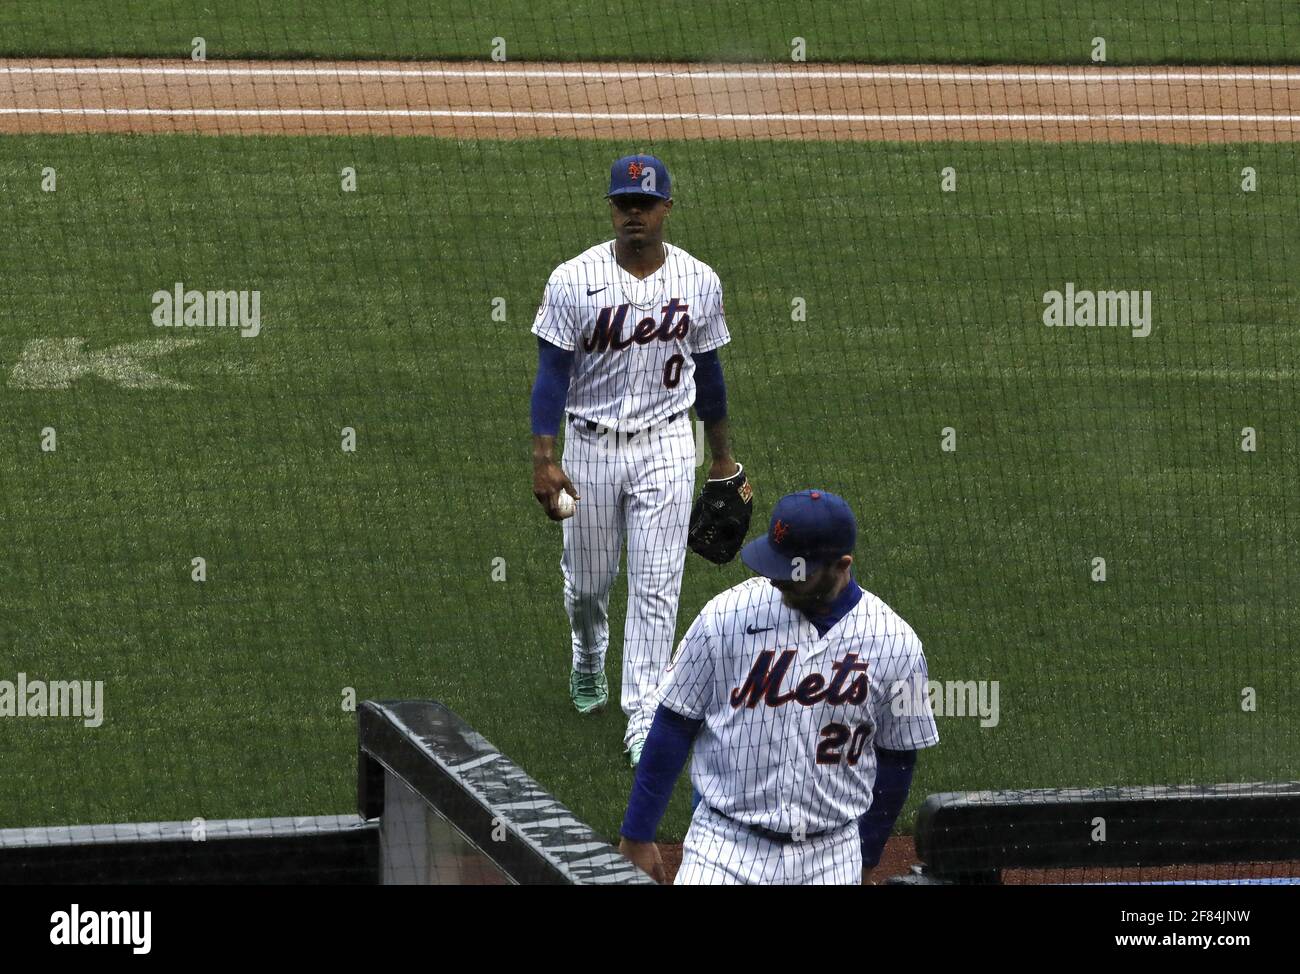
(792, 719)
(633, 338)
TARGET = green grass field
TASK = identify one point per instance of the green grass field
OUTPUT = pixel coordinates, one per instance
(882, 31)
(373, 570)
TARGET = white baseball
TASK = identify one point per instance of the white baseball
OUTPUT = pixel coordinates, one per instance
(564, 504)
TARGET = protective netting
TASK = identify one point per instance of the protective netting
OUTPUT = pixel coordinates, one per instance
(1016, 280)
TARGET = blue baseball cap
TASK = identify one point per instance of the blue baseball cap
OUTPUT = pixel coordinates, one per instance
(814, 525)
(645, 175)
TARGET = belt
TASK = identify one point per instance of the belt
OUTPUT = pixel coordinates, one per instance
(784, 838)
(595, 427)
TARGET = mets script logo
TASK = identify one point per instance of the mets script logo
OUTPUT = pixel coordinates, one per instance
(608, 333)
(779, 530)
(763, 684)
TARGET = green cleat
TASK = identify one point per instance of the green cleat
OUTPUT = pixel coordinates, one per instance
(634, 751)
(588, 691)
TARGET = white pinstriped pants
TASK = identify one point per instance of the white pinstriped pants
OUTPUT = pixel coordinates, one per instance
(638, 491)
(720, 852)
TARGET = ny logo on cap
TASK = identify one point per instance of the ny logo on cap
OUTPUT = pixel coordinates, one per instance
(634, 169)
(779, 530)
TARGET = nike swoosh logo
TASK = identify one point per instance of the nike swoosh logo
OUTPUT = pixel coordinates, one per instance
(753, 632)
(590, 292)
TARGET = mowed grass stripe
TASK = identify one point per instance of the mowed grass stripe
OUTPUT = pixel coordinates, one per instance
(881, 32)
(373, 570)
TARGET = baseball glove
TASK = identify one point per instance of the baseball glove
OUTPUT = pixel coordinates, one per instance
(720, 518)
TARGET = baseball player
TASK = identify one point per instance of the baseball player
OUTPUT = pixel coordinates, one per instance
(788, 687)
(627, 337)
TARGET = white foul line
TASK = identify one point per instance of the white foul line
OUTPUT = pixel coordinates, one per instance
(505, 72)
(1012, 117)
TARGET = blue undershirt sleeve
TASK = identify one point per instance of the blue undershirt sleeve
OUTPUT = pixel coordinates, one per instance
(551, 388)
(710, 390)
(667, 747)
(893, 781)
